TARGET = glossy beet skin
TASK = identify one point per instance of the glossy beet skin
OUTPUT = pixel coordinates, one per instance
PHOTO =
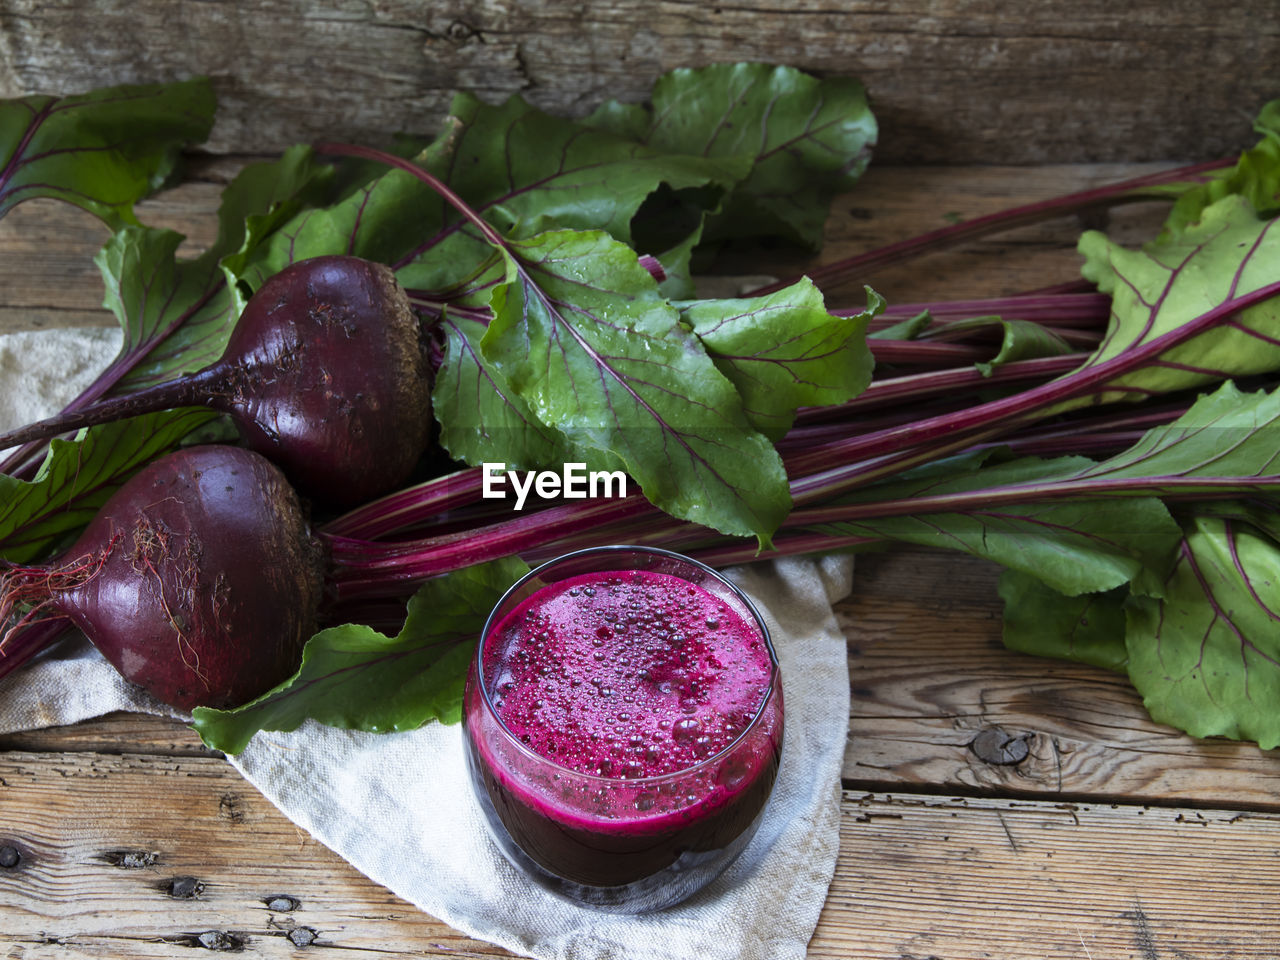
(327, 374)
(198, 580)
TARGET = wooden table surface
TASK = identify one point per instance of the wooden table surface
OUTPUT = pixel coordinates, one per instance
(1111, 837)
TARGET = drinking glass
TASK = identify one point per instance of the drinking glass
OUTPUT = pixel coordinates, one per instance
(622, 843)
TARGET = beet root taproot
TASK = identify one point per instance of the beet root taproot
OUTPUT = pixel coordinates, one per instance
(199, 579)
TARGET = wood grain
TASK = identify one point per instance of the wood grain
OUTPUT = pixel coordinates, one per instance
(945, 877)
(104, 838)
(148, 856)
(115, 733)
(952, 81)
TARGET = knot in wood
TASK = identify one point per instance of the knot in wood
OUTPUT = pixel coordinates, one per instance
(130, 859)
(184, 888)
(220, 940)
(459, 32)
(302, 936)
(995, 746)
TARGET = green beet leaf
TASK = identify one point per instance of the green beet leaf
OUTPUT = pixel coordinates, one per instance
(1224, 445)
(1206, 656)
(354, 677)
(784, 351)
(581, 333)
(391, 219)
(1256, 177)
(521, 169)
(1089, 628)
(676, 258)
(1009, 512)
(261, 199)
(1019, 340)
(1083, 526)
(909, 329)
(101, 151)
(177, 313)
(807, 139)
(1227, 253)
(76, 478)
(482, 418)
(527, 172)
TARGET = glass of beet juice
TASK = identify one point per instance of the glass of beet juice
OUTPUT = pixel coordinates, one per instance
(623, 720)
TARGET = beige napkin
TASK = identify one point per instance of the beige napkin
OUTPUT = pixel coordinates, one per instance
(398, 807)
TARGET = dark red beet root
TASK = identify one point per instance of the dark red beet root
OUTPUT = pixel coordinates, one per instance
(347, 412)
(198, 580)
(327, 374)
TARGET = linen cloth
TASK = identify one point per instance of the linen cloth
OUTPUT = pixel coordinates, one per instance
(398, 806)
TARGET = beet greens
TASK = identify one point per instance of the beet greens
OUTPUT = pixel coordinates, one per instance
(101, 151)
(1089, 437)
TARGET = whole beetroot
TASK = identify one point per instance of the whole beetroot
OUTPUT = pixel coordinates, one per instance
(199, 579)
(327, 373)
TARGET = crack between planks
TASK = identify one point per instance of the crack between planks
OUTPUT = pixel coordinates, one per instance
(188, 939)
(948, 793)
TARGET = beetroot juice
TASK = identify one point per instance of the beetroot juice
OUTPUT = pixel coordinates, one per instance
(624, 725)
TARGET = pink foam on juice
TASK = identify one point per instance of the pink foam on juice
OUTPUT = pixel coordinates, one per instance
(629, 675)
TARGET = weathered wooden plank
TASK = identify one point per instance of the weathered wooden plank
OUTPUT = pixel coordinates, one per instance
(930, 675)
(113, 733)
(953, 82)
(932, 876)
(145, 856)
(107, 845)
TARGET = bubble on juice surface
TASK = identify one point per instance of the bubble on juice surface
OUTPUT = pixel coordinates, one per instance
(685, 730)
